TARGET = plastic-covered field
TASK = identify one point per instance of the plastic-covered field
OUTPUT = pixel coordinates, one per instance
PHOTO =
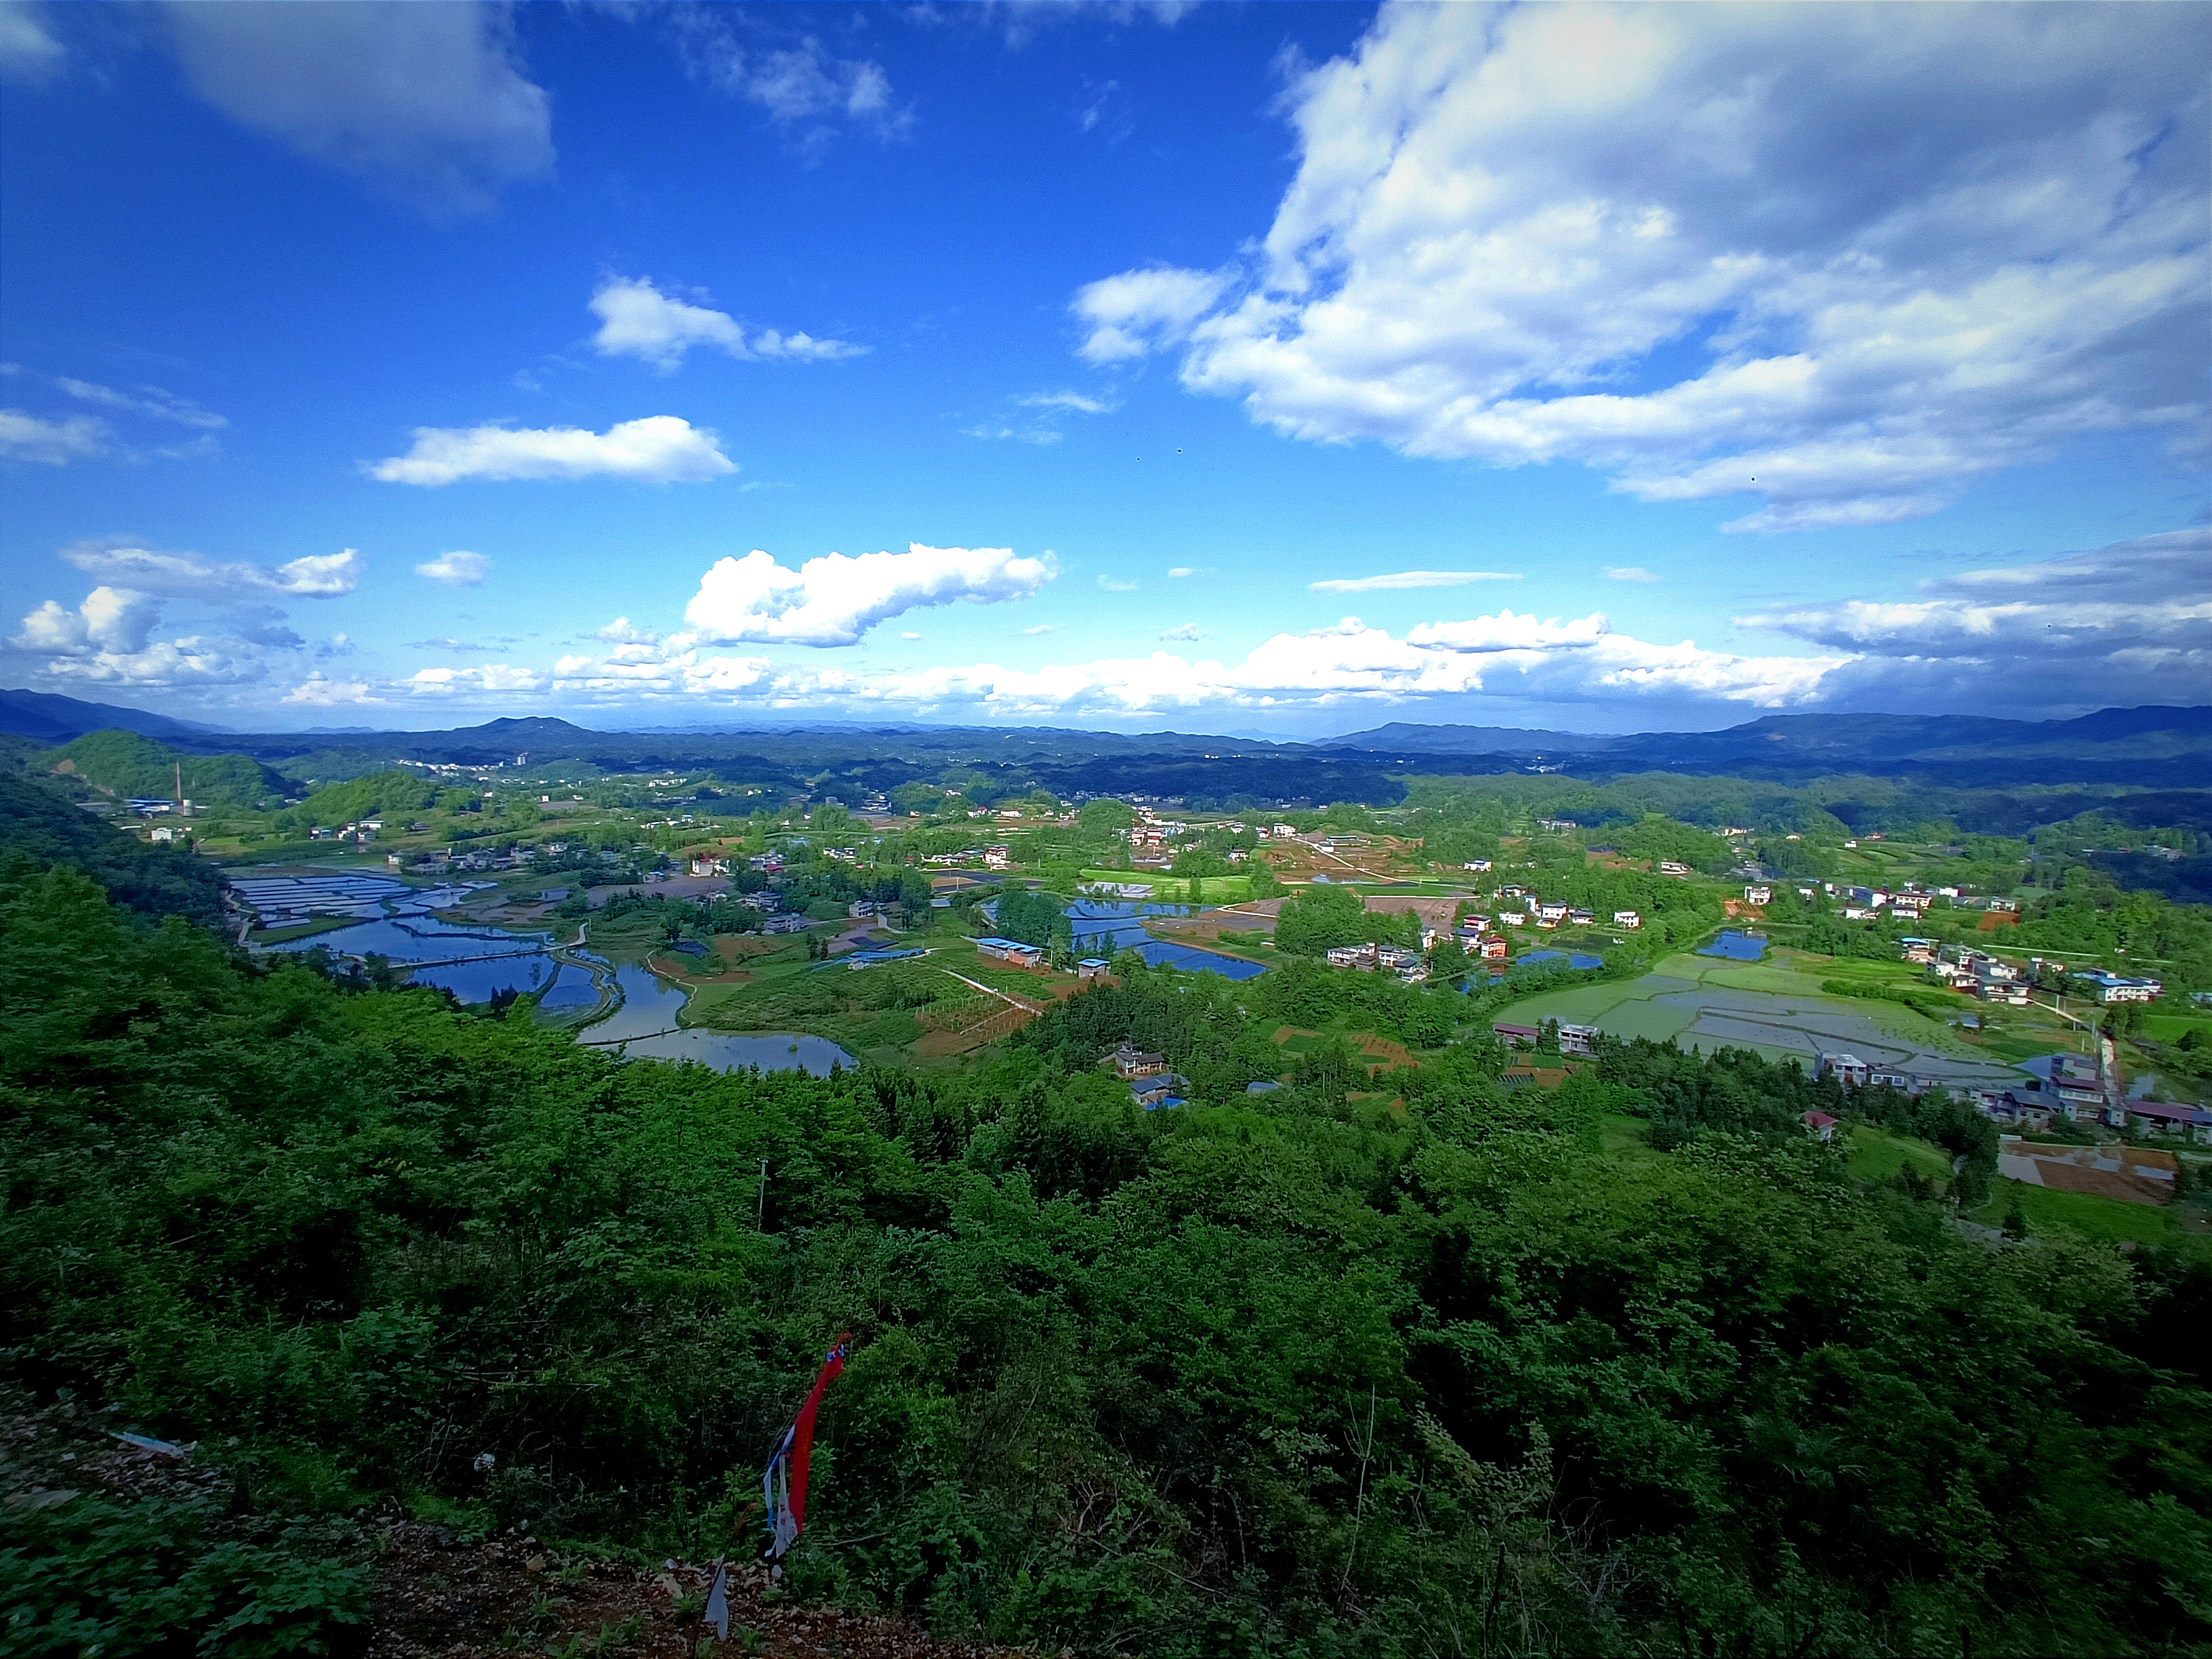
(1160, 953)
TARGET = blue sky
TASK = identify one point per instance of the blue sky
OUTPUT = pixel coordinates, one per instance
(1268, 368)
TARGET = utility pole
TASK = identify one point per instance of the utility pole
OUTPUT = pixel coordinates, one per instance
(760, 1213)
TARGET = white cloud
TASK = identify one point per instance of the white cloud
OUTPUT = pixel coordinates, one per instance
(28, 51)
(1188, 631)
(110, 619)
(659, 449)
(1072, 402)
(491, 677)
(2125, 624)
(150, 400)
(107, 641)
(1043, 436)
(801, 87)
(1575, 660)
(1116, 585)
(195, 576)
(834, 600)
(1180, 572)
(636, 319)
(1033, 633)
(1628, 573)
(456, 569)
(1412, 579)
(620, 632)
(427, 103)
(317, 692)
(1898, 248)
(25, 437)
(1132, 313)
(910, 636)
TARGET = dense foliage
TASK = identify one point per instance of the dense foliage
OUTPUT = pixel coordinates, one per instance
(123, 763)
(1407, 1364)
(39, 828)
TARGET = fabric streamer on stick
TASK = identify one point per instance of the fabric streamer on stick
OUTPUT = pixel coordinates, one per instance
(783, 1483)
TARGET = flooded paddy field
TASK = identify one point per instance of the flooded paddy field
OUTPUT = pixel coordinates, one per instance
(1778, 1012)
(477, 962)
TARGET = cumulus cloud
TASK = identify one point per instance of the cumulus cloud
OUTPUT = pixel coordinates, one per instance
(2127, 623)
(108, 638)
(150, 400)
(1135, 312)
(107, 641)
(1412, 579)
(490, 677)
(195, 576)
(427, 103)
(636, 319)
(620, 632)
(317, 691)
(834, 600)
(659, 449)
(456, 569)
(1188, 631)
(1844, 259)
(1575, 660)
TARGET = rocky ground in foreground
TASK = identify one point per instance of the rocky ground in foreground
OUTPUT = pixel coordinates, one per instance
(436, 1593)
(438, 1597)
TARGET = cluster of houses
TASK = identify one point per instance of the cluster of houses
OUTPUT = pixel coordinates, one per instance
(1574, 1040)
(1013, 952)
(1147, 1075)
(1976, 972)
(1408, 964)
(2070, 1087)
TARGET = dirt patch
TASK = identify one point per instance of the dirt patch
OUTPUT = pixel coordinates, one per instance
(1993, 919)
(1434, 912)
(435, 1595)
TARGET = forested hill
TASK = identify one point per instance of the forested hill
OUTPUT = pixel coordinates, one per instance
(39, 828)
(1428, 1364)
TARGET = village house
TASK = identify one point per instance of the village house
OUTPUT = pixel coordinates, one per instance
(1515, 1037)
(1093, 968)
(1818, 1125)
(1350, 955)
(1011, 951)
(1759, 893)
(1129, 1062)
(996, 858)
(2109, 988)
(1477, 864)
(1845, 1068)
(1577, 1039)
(1668, 867)
(1628, 919)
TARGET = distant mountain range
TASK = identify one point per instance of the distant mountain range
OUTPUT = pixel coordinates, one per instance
(2163, 748)
(52, 719)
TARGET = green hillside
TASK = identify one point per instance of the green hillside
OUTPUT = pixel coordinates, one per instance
(124, 765)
